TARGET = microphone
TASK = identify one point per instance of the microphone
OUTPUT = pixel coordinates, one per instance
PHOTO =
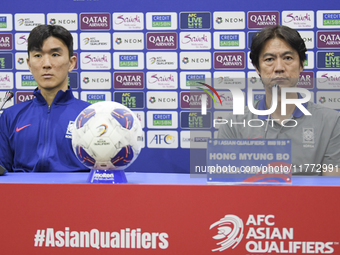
(3, 171)
(9, 94)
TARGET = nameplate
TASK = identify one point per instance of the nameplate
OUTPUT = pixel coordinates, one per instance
(244, 161)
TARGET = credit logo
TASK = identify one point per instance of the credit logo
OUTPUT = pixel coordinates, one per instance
(229, 40)
(6, 22)
(328, 19)
(161, 21)
(95, 96)
(25, 80)
(128, 60)
(162, 119)
(192, 80)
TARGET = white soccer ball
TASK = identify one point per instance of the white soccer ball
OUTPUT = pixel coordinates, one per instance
(107, 136)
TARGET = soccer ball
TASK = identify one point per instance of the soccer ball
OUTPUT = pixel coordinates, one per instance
(107, 136)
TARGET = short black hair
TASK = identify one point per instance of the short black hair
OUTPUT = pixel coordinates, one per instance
(40, 33)
(289, 35)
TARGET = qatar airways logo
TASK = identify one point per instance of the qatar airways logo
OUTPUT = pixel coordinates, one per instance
(261, 235)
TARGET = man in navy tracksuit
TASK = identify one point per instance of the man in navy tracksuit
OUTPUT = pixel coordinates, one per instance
(35, 136)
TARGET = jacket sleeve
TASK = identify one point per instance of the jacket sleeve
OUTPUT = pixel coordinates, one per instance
(332, 154)
(6, 154)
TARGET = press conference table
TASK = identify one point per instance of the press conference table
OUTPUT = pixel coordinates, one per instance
(147, 178)
(60, 213)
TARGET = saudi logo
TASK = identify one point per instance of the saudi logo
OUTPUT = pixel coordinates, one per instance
(229, 232)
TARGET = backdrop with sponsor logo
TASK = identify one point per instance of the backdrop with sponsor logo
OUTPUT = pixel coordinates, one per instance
(149, 56)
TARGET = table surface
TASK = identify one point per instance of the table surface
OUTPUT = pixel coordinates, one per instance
(147, 178)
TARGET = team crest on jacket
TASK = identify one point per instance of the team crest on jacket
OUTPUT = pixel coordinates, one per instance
(69, 130)
(308, 137)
